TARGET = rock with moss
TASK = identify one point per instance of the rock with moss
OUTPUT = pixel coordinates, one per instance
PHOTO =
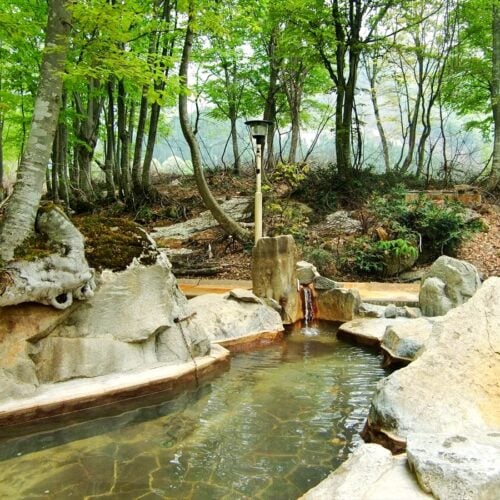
(53, 275)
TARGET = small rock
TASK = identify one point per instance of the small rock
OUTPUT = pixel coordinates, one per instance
(369, 330)
(242, 295)
(412, 312)
(306, 272)
(391, 311)
(367, 310)
(403, 341)
(273, 303)
(322, 283)
(411, 276)
(342, 221)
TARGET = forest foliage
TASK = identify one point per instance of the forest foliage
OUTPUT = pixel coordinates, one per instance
(384, 81)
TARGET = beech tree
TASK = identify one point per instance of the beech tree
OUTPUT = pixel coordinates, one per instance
(58, 278)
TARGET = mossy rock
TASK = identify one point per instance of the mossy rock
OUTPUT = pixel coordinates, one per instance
(113, 243)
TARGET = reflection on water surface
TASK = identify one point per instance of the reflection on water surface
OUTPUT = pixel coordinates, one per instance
(272, 427)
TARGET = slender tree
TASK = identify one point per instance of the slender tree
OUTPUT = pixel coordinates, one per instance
(227, 223)
(19, 221)
(495, 96)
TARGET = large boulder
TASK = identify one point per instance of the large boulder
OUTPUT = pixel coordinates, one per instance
(342, 221)
(449, 283)
(455, 467)
(274, 274)
(232, 315)
(20, 325)
(371, 472)
(137, 318)
(339, 304)
(452, 387)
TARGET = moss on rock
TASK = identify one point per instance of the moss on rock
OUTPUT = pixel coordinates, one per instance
(113, 243)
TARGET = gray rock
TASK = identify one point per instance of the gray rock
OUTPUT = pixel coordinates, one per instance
(220, 317)
(343, 222)
(181, 342)
(367, 310)
(403, 341)
(396, 264)
(452, 387)
(129, 306)
(16, 385)
(456, 467)
(322, 283)
(243, 295)
(471, 215)
(369, 330)
(432, 297)
(137, 318)
(412, 312)
(391, 311)
(59, 358)
(412, 276)
(237, 208)
(306, 272)
(274, 304)
(371, 472)
(459, 280)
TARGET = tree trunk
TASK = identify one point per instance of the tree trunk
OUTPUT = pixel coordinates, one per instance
(56, 145)
(494, 178)
(110, 170)
(372, 78)
(273, 87)
(22, 208)
(227, 223)
(234, 140)
(167, 50)
(123, 137)
(139, 139)
(2, 194)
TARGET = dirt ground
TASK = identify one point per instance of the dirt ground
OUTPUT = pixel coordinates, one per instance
(234, 261)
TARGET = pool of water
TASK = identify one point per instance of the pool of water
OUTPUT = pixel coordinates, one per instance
(271, 427)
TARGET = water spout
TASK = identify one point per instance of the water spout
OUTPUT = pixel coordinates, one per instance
(309, 309)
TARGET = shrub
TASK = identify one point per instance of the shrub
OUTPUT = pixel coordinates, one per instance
(324, 260)
(366, 256)
(438, 228)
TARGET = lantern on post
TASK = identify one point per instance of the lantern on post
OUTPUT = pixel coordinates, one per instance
(258, 130)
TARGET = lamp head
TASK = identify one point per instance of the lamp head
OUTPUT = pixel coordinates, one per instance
(258, 129)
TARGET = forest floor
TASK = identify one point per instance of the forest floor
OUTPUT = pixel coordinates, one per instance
(182, 201)
(112, 238)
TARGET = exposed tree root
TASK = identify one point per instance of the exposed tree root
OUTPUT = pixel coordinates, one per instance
(54, 280)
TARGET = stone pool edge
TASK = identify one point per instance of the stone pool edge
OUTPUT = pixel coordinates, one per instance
(78, 394)
(69, 396)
